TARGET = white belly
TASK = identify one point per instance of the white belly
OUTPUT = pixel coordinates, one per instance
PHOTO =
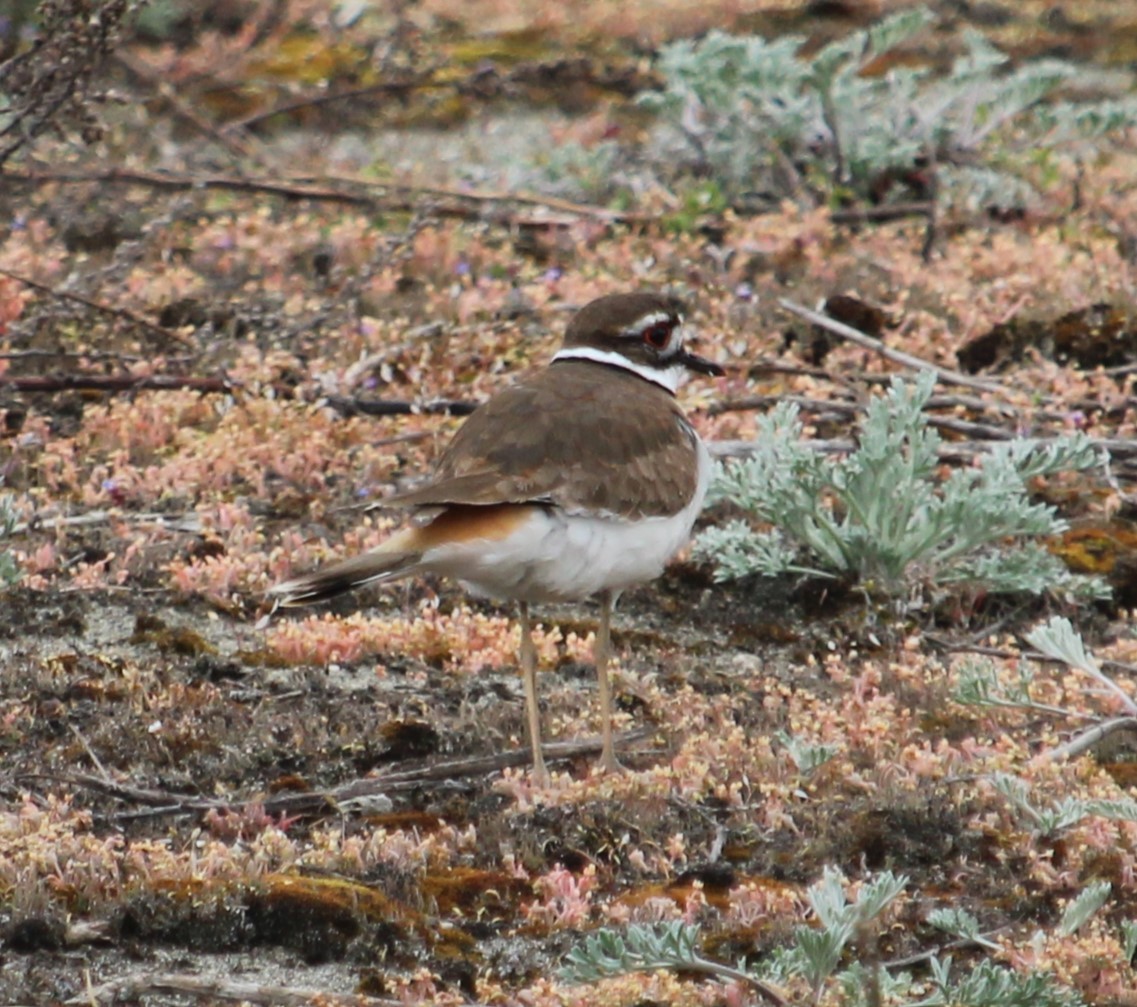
(559, 556)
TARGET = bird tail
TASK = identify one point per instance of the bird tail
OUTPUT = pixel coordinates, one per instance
(397, 557)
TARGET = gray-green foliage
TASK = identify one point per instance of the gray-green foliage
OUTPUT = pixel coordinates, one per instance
(641, 948)
(807, 756)
(991, 985)
(574, 171)
(1083, 907)
(816, 953)
(882, 514)
(1129, 939)
(961, 924)
(1051, 818)
(982, 683)
(749, 111)
(1058, 640)
(9, 568)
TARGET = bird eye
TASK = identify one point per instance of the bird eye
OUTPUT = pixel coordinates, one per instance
(657, 335)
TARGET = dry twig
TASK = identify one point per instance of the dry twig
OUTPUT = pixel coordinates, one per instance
(969, 428)
(106, 309)
(896, 356)
(362, 791)
(118, 383)
(1093, 736)
(394, 407)
(372, 195)
(133, 987)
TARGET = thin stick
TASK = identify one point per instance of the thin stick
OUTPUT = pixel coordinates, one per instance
(173, 522)
(118, 383)
(882, 214)
(896, 356)
(374, 195)
(162, 803)
(140, 984)
(393, 407)
(90, 753)
(107, 309)
(182, 109)
(952, 423)
(1089, 738)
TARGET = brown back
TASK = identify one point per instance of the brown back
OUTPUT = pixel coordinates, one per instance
(578, 435)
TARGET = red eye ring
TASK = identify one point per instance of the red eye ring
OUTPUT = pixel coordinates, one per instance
(656, 336)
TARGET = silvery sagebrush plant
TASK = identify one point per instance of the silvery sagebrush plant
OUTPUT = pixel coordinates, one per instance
(1083, 907)
(983, 683)
(816, 953)
(883, 516)
(1051, 818)
(1129, 939)
(807, 756)
(648, 948)
(9, 567)
(745, 110)
(1058, 640)
(992, 985)
(739, 116)
(960, 924)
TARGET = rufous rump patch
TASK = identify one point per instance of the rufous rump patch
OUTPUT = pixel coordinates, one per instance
(466, 523)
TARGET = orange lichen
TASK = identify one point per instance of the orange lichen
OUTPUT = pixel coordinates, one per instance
(474, 893)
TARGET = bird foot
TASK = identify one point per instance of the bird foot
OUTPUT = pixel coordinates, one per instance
(540, 774)
(609, 764)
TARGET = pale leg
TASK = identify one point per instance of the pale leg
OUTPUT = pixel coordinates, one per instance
(601, 650)
(529, 681)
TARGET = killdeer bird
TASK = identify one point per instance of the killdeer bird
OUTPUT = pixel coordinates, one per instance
(582, 479)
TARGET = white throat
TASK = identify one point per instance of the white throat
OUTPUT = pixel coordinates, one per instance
(668, 378)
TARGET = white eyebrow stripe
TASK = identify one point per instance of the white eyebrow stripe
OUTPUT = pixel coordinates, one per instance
(645, 323)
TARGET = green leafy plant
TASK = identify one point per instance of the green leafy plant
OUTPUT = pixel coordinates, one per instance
(697, 201)
(574, 171)
(1082, 908)
(640, 948)
(981, 684)
(816, 952)
(1055, 817)
(1058, 640)
(961, 924)
(9, 568)
(757, 114)
(1129, 939)
(881, 515)
(814, 956)
(807, 756)
(991, 985)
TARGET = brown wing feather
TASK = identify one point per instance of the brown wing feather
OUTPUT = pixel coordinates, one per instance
(579, 436)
